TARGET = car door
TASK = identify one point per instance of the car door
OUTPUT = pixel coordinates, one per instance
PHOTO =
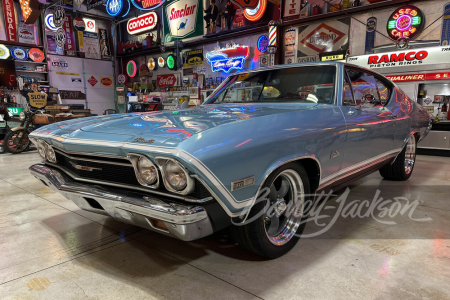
(370, 124)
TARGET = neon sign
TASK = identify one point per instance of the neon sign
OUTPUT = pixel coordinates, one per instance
(263, 43)
(49, 22)
(118, 7)
(131, 68)
(406, 21)
(147, 4)
(256, 13)
(227, 59)
(171, 62)
(4, 52)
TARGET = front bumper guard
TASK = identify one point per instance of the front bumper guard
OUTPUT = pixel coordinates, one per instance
(185, 222)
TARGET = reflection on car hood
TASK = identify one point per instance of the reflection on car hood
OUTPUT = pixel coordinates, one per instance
(164, 126)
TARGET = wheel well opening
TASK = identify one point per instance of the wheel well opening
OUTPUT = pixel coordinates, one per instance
(313, 170)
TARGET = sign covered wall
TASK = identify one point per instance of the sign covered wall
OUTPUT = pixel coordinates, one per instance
(183, 19)
(322, 37)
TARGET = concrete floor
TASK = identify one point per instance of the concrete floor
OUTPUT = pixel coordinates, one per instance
(50, 249)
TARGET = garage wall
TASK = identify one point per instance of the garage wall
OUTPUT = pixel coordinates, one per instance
(75, 77)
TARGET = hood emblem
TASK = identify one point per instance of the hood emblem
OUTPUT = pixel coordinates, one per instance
(141, 140)
(84, 168)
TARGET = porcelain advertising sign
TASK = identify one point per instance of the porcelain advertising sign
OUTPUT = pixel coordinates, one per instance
(411, 57)
(143, 23)
(166, 80)
(183, 19)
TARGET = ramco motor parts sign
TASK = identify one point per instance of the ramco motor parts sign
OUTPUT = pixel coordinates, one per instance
(411, 57)
(183, 19)
(145, 22)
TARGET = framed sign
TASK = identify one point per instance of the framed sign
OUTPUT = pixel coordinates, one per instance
(405, 22)
(38, 99)
(183, 19)
(193, 58)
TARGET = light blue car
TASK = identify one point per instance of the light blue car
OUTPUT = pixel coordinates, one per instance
(249, 158)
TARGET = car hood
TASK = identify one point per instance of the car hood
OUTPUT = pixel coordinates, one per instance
(166, 127)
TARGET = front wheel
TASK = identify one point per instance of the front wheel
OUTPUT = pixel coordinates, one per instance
(16, 141)
(278, 218)
(402, 167)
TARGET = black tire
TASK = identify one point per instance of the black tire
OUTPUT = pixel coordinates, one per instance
(398, 171)
(254, 237)
(10, 136)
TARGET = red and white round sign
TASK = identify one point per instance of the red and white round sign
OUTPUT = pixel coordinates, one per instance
(145, 22)
(121, 79)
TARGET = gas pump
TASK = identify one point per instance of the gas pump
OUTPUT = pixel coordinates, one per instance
(120, 96)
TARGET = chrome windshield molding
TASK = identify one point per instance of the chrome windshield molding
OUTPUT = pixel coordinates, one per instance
(161, 161)
(134, 159)
(136, 188)
(92, 160)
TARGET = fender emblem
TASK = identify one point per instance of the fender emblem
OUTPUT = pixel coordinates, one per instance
(84, 168)
(334, 154)
(242, 183)
(141, 140)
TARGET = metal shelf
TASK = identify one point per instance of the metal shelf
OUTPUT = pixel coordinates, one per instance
(31, 72)
(31, 62)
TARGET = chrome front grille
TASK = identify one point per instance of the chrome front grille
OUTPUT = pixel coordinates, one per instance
(101, 170)
(111, 170)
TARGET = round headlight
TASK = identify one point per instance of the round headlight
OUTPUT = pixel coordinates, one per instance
(41, 148)
(147, 171)
(50, 154)
(22, 116)
(175, 176)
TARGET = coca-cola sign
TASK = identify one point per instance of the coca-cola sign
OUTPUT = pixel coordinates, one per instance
(145, 22)
(166, 80)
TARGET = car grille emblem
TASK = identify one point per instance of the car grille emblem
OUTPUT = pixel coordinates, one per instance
(84, 168)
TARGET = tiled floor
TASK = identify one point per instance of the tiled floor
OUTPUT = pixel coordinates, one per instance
(50, 249)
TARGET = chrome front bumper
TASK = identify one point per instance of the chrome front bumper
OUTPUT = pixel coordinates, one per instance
(185, 222)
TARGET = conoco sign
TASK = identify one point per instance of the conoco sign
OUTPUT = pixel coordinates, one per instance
(145, 22)
(166, 80)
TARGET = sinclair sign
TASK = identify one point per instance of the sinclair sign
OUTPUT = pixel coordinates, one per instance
(184, 19)
(411, 57)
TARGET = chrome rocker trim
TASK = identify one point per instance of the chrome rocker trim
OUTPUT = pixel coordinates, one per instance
(184, 222)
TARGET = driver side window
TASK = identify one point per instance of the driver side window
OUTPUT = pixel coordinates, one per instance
(366, 87)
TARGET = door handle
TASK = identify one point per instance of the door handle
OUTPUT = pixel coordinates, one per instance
(393, 116)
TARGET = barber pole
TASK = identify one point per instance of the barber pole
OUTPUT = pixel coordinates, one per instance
(272, 34)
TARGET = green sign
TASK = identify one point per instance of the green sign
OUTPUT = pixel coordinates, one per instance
(15, 110)
(171, 62)
(183, 19)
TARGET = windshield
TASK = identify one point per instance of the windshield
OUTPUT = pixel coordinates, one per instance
(309, 84)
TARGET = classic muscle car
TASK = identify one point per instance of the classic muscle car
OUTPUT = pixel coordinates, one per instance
(289, 130)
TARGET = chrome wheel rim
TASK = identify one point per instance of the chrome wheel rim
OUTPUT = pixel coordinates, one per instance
(410, 154)
(286, 204)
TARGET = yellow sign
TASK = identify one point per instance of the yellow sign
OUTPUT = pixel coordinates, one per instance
(243, 76)
(37, 99)
(65, 73)
(81, 41)
(333, 57)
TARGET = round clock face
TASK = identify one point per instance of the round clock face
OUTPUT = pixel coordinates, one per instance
(161, 62)
(405, 22)
(151, 64)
